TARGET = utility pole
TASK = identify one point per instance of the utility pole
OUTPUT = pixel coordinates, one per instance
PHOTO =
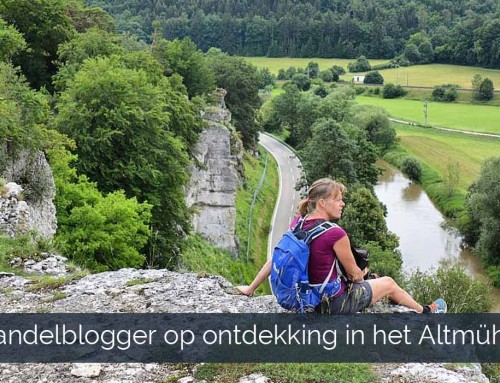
(426, 111)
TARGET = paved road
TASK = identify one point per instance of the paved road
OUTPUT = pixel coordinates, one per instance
(290, 172)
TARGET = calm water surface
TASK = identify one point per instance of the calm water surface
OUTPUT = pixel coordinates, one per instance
(424, 239)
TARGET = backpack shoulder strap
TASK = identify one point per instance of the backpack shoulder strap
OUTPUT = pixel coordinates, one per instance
(314, 233)
(318, 230)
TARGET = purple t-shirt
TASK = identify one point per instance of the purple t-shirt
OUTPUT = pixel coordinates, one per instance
(322, 254)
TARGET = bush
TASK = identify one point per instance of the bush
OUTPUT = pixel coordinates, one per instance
(483, 89)
(486, 90)
(96, 231)
(447, 93)
(376, 91)
(412, 168)
(107, 236)
(321, 91)
(329, 75)
(338, 69)
(389, 65)
(373, 77)
(360, 65)
(360, 89)
(462, 293)
(302, 81)
(401, 61)
(385, 262)
(393, 91)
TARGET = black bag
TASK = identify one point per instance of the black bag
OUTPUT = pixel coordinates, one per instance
(362, 258)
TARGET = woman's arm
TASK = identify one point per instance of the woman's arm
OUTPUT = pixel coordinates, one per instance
(262, 275)
(344, 254)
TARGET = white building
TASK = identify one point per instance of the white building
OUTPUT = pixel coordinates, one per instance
(358, 79)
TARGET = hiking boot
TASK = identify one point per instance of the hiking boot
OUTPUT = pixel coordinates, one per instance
(437, 307)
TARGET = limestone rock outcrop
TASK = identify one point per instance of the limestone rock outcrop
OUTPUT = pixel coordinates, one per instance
(27, 201)
(143, 291)
(214, 178)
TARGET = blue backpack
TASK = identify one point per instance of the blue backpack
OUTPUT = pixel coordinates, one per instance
(289, 271)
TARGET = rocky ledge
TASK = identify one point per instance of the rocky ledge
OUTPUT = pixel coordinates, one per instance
(143, 291)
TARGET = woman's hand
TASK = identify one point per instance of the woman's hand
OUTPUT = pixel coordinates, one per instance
(245, 290)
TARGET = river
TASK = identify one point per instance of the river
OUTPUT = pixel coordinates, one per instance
(425, 241)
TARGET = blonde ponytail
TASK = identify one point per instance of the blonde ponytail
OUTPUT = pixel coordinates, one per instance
(320, 189)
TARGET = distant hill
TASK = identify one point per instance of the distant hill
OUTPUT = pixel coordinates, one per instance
(420, 31)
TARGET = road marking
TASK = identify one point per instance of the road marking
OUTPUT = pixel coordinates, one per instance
(275, 212)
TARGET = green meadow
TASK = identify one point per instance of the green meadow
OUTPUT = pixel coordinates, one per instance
(437, 74)
(276, 63)
(439, 148)
(472, 117)
(428, 75)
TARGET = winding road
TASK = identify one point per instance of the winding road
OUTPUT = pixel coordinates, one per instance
(290, 171)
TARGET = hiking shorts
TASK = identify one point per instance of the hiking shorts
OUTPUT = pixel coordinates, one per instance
(356, 297)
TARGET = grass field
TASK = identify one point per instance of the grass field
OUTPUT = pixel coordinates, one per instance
(417, 75)
(437, 74)
(476, 118)
(276, 63)
(439, 148)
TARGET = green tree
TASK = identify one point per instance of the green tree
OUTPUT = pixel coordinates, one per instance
(452, 177)
(124, 136)
(11, 41)
(302, 81)
(363, 218)
(91, 43)
(393, 91)
(328, 75)
(44, 24)
(411, 53)
(484, 206)
(184, 58)
(290, 72)
(24, 115)
(338, 69)
(306, 114)
(486, 90)
(312, 69)
(96, 231)
(412, 168)
(426, 52)
(241, 81)
(375, 122)
(360, 65)
(373, 77)
(266, 78)
(447, 93)
(284, 112)
(329, 153)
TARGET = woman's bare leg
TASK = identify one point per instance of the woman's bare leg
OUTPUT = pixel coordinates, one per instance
(387, 287)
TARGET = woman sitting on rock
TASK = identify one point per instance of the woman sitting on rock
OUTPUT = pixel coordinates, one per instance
(325, 203)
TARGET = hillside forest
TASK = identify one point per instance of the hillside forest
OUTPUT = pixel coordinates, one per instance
(410, 32)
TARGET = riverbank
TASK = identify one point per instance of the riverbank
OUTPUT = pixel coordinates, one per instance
(426, 240)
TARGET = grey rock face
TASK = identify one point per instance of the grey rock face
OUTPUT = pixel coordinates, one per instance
(29, 173)
(49, 264)
(214, 180)
(129, 290)
(14, 212)
(126, 290)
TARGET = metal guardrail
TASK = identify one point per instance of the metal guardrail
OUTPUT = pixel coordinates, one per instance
(250, 215)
